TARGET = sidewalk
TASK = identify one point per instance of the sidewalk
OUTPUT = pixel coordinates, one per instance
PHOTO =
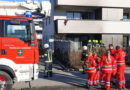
(61, 79)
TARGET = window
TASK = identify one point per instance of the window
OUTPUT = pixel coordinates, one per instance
(21, 31)
(77, 15)
(70, 15)
(126, 16)
(80, 15)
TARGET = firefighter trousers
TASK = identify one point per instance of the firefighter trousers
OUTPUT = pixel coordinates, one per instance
(105, 83)
(48, 69)
(121, 76)
(90, 80)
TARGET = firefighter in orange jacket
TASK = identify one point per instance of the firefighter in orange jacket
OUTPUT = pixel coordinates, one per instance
(120, 57)
(97, 75)
(107, 65)
(114, 73)
(90, 68)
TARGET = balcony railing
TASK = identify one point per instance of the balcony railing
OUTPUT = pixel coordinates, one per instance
(97, 3)
(92, 26)
(38, 28)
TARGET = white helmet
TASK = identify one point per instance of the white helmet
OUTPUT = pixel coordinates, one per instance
(46, 45)
(85, 48)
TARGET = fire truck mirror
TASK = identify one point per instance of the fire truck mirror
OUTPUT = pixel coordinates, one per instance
(32, 28)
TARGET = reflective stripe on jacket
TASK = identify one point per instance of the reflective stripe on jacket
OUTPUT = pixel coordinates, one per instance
(48, 56)
(107, 67)
(90, 65)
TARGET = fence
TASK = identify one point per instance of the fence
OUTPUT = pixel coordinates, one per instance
(68, 53)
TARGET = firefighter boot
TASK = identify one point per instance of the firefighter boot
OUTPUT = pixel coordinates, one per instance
(46, 75)
(50, 74)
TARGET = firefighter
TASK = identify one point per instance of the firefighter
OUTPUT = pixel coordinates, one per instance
(120, 57)
(102, 44)
(107, 65)
(114, 73)
(97, 75)
(94, 43)
(97, 44)
(84, 55)
(90, 45)
(48, 60)
(90, 68)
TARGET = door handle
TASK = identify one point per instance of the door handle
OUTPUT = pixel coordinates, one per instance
(3, 51)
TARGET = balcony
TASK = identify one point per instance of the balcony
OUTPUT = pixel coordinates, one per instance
(97, 3)
(39, 36)
(92, 26)
(37, 27)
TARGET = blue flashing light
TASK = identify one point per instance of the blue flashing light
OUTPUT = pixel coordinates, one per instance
(28, 14)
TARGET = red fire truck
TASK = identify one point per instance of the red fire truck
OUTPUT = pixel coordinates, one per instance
(19, 54)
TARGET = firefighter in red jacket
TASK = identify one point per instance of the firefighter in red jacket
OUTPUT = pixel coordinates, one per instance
(120, 57)
(90, 68)
(107, 65)
(97, 75)
(114, 73)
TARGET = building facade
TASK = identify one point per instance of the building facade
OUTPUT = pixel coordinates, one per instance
(82, 20)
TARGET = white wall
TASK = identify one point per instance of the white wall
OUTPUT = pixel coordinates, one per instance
(12, 11)
(94, 26)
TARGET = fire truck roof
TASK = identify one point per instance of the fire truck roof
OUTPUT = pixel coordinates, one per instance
(20, 18)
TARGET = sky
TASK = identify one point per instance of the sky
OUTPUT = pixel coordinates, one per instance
(23, 0)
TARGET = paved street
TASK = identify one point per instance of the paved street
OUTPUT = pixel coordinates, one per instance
(61, 80)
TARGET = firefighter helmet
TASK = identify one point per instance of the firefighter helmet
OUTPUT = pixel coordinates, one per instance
(46, 45)
(85, 48)
(100, 41)
(89, 41)
(96, 41)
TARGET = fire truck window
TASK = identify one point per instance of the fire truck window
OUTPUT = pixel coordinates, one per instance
(21, 31)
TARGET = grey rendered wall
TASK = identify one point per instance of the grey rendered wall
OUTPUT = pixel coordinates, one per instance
(114, 39)
(48, 28)
(112, 14)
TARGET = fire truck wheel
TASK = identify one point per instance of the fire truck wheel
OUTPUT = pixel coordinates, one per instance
(6, 81)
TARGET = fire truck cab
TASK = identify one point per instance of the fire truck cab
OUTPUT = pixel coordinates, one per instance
(19, 54)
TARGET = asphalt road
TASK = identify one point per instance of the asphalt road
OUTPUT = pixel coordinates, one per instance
(62, 80)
